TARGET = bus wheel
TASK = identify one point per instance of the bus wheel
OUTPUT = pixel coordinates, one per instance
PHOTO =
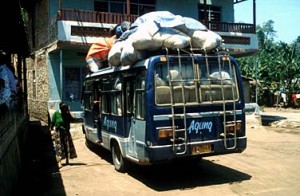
(117, 158)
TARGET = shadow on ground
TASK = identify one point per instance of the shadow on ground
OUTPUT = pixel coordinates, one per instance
(266, 120)
(40, 171)
(185, 174)
(42, 174)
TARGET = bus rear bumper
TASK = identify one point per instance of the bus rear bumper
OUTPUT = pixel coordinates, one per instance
(196, 149)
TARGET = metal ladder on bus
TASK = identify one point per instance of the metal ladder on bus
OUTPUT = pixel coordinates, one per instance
(179, 140)
(234, 122)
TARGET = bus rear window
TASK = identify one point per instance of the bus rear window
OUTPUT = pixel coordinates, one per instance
(201, 82)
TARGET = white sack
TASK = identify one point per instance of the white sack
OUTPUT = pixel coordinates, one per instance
(159, 81)
(161, 18)
(171, 38)
(130, 55)
(216, 77)
(206, 40)
(191, 25)
(115, 53)
(93, 64)
(142, 38)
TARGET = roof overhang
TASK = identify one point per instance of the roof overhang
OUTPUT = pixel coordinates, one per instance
(238, 1)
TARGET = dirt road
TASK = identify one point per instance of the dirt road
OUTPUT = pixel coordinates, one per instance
(269, 166)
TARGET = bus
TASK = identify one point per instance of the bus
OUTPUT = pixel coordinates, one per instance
(166, 107)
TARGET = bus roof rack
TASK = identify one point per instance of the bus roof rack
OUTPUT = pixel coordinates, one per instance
(169, 51)
(191, 51)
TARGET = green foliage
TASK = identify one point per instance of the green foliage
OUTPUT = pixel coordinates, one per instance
(277, 65)
(25, 16)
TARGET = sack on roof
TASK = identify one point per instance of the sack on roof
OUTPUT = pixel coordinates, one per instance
(114, 54)
(206, 40)
(172, 38)
(129, 54)
(161, 29)
(145, 39)
(98, 52)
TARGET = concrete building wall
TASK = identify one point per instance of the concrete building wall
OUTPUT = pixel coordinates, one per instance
(42, 33)
(188, 8)
(41, 24)
(38, 85)
(54, 76)
(60, 63)
(78, 4)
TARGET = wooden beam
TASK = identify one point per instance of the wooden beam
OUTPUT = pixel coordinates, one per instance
(128, 7)
(238, 1)
(254, 14)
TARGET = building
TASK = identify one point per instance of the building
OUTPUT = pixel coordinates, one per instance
(60, 33)
(13, 121)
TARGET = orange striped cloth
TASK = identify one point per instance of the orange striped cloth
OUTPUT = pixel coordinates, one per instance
(100, 49)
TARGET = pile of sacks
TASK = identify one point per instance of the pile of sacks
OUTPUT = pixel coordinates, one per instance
(157, 30)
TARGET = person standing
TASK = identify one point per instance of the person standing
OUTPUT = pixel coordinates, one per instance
(12, 84)
(12, 79)
(63, 143)
(5, 93)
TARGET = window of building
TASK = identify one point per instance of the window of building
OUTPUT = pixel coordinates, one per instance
(209, 13)
(113, 6)
(101, 6)
(137, 7)
(72, 85)
(140, 7)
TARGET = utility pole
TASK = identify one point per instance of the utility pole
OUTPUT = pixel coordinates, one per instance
(256, 85)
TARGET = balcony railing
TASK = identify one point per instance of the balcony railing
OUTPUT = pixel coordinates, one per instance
(230, 27)
(116, 18)
(96, 17)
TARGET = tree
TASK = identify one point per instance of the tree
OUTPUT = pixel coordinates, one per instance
(278, 63)
(297, 42)
(265, 33)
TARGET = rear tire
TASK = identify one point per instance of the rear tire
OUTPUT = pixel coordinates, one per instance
(118, 159)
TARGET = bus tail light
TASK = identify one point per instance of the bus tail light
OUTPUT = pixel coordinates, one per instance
(165, 133)
(230, 126)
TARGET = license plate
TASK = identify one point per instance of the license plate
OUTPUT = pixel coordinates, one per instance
(201, 149)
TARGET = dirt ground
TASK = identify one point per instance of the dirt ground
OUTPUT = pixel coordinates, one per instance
(269, 166)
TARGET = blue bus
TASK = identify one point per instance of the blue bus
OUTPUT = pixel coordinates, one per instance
(169, 106)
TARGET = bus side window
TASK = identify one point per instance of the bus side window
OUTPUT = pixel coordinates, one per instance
(116, 103)
(104, 103)
(139, 106)
(97, 101)
(129, 96)
(88, 96)
(116, 97)
(87, 100)
(105, 95)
